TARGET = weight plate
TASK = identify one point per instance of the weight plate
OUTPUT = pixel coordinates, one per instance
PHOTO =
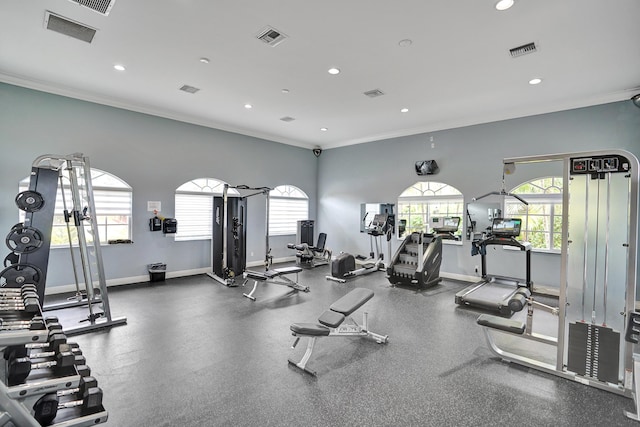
(17, 275)
(29, 201)
(24, 240)
(11, 259)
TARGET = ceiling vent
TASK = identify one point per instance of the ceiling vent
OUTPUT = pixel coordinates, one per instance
(271, 36)
(189, 89)
(287, 119)
(100, 6)
(523, 50)
(374, 93)
(70, 28)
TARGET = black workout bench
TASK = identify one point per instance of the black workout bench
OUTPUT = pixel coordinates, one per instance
(277, 276)
(336, 322)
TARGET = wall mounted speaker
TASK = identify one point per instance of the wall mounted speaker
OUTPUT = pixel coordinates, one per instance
(426, 167)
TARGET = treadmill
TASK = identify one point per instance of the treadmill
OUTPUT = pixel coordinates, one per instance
(492, 293)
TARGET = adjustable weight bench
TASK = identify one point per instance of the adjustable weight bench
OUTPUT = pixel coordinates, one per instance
(335, 322)
(277, 276)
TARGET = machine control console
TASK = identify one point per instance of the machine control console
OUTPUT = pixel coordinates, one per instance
(599, 164)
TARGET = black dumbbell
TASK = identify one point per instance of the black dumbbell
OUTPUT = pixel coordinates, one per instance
(20, 368)
(53, 343)
(46, 408)
(28, 305)
(17, 298)
(35, 324)
(19, 351)
(18, 291)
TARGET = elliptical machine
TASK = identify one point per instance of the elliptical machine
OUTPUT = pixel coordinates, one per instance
(343, 266)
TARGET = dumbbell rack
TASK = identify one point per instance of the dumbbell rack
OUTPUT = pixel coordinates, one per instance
(17, 401)
(31, 240)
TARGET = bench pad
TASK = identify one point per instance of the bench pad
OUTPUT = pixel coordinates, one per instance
(309, 329)
(501, 323)
(331, 319)
(287, 270)
(352, 301)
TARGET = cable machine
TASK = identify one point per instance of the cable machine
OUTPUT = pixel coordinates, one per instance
(597, 279)
(229, 234)
(32, 239)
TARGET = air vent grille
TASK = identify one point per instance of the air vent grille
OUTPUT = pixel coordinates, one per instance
(101, 6)
(374, 93)
(68, 27)
(189, 89)
(271, 36)
(287, 119)
(523, 50)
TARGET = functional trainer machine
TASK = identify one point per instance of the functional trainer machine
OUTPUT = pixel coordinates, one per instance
(30, 241)
(597, 279)
(343, 266)
(229, 235)
(335, 322)
(494, 292)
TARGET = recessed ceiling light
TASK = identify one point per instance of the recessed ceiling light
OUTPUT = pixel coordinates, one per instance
(405, 43)
(204, 60)
(248, 106)
(404, 110)
(504, 4)
(119, 67)
(285, 90)
(334, 71)
(535, 81)
(324, 129)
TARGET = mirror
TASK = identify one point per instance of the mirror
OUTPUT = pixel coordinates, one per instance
(480, 217)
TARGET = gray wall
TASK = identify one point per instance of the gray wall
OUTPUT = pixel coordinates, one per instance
(470, 159)
(154, 156)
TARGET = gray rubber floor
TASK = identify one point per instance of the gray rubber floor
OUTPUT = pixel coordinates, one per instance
(196, 353)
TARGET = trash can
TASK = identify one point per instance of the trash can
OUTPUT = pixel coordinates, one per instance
(157, 272)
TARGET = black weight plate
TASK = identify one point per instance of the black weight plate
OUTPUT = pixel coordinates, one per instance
(29, 201)
(11, 259)
(17, 275)
(24, 240)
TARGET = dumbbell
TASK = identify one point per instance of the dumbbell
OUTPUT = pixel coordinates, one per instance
(35, 324)
(54, 341)
(18, 351)
(21, 290)
(46, 408)
(17, 298)
(20, 368)
(29, 304)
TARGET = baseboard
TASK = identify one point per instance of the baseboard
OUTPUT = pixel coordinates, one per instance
(460, 277)
(63, 289)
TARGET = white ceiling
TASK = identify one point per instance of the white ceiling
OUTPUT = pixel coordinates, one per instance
(457, 72)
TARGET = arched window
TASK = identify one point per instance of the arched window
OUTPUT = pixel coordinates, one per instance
(542, 218)
(419, 204)
(194, 207)
(112, 198)
(287, 205)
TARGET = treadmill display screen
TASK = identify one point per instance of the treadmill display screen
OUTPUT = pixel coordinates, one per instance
(447, 224)
(506, 227)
